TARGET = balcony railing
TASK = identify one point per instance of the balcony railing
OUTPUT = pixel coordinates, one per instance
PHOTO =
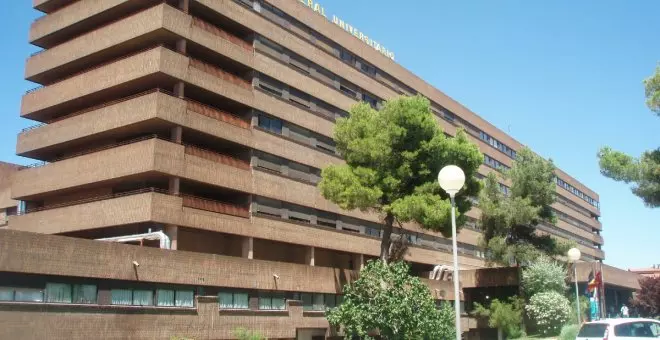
(226, 76)
(93, 199)
(217, 157)
(215, 206)
(217, 114)
(93, 150)
(215, 30)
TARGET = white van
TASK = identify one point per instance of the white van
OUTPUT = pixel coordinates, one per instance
(618, 329)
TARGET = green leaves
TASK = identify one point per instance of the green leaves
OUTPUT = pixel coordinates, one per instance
(644, 171)
(392, 158)
(388, 301)
(652, 91)
(503, 315)
(509, 222)
(350, 188)
(544, 275)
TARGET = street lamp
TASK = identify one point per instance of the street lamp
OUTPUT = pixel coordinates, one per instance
(574, 255)
(451, 179)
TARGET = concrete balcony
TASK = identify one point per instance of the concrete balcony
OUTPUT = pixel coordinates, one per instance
(110, 80)
(148, 27)
(144, 111)
(97, 212)
(110, 164)
(49, 6)
(580, 217)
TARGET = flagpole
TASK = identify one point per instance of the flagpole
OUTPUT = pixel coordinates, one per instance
(602, 282)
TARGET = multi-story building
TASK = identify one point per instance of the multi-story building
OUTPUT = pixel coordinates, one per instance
(8, 206)
(201, 126)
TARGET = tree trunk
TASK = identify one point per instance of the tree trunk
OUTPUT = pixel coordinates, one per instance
(500, 334)
(387, 237)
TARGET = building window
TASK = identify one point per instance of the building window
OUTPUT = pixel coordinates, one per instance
(368, 69)
(84, 294)
(270, 124)
(28, 295)
(272, 301)
(372, 232)
(370, 100)
(347, 57)
(233, 300)
(129, 297)
(319, 302)
(175, 298)
(58, 293)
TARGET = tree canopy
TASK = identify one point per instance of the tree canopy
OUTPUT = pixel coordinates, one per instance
(387, 300)
(647, 299)
(506, 317)
(544, 275)
(643, 171)
(393, 156)
(509, 221)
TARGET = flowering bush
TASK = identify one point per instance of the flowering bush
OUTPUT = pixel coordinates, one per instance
(544, 275)
(549, 311)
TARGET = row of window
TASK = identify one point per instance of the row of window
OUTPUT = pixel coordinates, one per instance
(316, 71)
(277, 300)
(302, 135)
(495, 164)
(279, 209)
(567, 235)
(298, 98)
(574, 206)
(286, 167)
(87, 294)
(335, 49)
(577, 192)
(573, 221)
(497, 144)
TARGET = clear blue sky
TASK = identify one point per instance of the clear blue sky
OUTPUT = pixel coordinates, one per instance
(564, 77)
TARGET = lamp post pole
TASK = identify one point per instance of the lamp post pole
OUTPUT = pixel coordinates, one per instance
(457, 294)
(574, 255)
(451, 179)
(577, 294)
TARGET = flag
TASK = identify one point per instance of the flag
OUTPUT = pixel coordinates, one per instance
(595, 282)
(588, 290)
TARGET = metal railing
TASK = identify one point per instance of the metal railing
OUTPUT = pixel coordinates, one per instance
(220, 73)
(216, 157)
(93, 150)
(215, 30)
(215, 206)
(94, 199)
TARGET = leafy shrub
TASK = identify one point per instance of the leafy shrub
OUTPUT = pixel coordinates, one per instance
(549, 311)
(569, 332)
(245, 334)
(544, 275)
(504, 316)
(584, 308)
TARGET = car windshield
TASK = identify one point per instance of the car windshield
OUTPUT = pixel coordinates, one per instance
(642, 329)
(592, 330)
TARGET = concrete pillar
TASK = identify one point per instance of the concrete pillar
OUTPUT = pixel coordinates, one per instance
(172, 232)
(248, 248)
(176, 134)
(309, 256)
(182, 46)
(184, 5)
(358, 261)
(179, 89)
(174, 185)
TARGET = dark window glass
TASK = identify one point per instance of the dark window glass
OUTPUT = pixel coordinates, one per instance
(270, 124)
(347, 57)
(643, 329)
(593, 330)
